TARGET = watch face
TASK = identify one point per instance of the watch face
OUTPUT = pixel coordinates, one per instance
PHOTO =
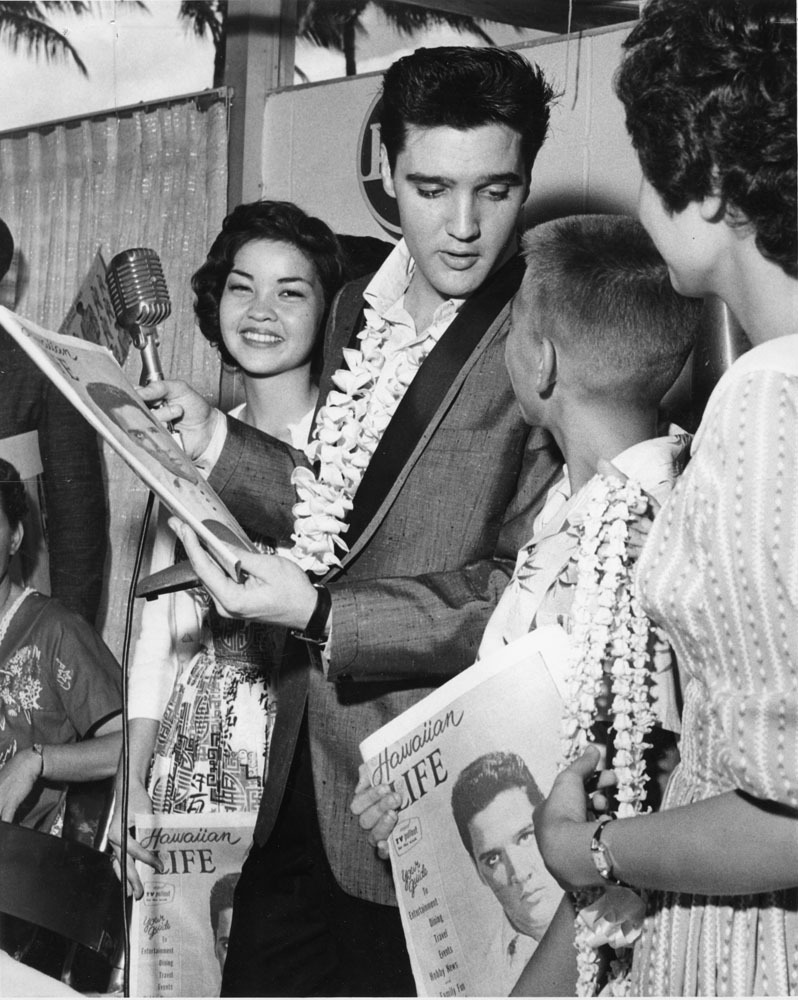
(601, 860)
(600, 854)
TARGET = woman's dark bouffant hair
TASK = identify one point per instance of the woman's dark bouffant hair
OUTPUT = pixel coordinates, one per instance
(12, 494)
(709, 92)
(283, 222)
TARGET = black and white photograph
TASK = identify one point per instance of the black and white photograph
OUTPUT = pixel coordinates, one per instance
(399, 474)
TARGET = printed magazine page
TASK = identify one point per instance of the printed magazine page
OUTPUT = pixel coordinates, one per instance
(89, 376)
(471, 761)
(91, 316)
(179, 928)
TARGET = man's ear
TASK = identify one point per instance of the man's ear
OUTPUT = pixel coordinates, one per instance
(546, 372)
(385, 172)
(527, 188)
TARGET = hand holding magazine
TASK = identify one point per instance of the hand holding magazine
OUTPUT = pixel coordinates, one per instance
(91, 379)
(470, 763)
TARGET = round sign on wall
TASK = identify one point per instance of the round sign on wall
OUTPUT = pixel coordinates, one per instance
(381, 205)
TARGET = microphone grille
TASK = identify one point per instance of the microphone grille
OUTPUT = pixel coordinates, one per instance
(138, 289)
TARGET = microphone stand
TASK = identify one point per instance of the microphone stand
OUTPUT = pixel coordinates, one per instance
(181, 576)
(145, 339)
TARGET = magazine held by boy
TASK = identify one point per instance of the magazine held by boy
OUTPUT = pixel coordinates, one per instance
(470, 763)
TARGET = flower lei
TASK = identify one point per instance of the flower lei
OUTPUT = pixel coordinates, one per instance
(608, 677)
(348, 429)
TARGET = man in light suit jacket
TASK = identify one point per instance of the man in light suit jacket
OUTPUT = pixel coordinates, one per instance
(426, 483)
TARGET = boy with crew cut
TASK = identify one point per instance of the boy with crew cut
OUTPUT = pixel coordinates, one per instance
(597, 337)
(403, 533)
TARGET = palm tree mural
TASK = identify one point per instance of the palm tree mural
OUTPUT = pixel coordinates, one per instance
(330, 24)
(337, 24)
(26, 25)
(208, 18)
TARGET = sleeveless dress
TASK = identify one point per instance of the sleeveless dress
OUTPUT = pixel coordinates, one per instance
(213, 743)
(719, 572)
(212, 682)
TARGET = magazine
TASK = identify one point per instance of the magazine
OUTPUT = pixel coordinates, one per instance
(180, 926)
(470, 762)
(91, 379)
(91, 316)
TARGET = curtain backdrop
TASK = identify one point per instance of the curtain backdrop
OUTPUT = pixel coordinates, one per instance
(154, 177)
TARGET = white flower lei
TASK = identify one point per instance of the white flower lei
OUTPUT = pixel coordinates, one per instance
(609, 644)
(348, 429)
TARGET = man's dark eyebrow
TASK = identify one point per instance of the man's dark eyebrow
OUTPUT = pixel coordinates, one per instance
(510, 177)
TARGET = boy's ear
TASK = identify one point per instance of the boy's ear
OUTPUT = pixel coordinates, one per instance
(385, 172)
(712, 208)
(546, 373)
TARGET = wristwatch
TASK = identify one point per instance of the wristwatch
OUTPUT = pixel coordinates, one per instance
(601, 855)
(315, 631)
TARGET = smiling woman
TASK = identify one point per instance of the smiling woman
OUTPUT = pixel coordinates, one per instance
(202, 698)
(270, 310)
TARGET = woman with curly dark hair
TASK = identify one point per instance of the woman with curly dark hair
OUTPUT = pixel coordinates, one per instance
(710, 97)
(202, 690)
(259, 225)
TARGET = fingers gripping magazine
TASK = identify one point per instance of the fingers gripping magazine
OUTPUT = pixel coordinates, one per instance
(470, 762)
(91, 379)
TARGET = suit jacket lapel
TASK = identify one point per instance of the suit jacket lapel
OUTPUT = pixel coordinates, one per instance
(427, 391)
(343, 326)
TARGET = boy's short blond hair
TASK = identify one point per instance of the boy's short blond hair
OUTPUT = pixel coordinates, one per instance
(599, 287)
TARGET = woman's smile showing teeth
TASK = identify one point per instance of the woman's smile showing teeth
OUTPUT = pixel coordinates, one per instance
(260, 338)
(271, 307)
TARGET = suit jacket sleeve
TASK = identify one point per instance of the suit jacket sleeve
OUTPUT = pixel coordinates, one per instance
(397, 627)
(411, 627)
(253, 477)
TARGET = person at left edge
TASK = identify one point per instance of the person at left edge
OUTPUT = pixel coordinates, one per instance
(60, 690)
(446, 500)
(72, 472)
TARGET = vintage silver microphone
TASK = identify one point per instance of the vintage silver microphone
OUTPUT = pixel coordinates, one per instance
(141, 301)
